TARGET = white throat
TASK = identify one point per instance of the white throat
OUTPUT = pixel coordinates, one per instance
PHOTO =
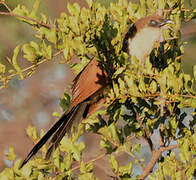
(142, 44)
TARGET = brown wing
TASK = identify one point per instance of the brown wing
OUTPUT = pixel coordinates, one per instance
(88, 81)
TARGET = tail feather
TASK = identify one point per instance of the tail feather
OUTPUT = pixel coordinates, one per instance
(55, 128)
(57, 137)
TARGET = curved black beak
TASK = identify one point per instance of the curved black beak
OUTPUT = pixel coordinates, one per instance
(166, 21)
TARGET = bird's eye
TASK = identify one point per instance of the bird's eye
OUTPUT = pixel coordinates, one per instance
(153, 23)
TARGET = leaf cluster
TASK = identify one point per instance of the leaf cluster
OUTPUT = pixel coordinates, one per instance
(157, 98)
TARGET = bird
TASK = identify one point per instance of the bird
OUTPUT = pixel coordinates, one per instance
(89, 85)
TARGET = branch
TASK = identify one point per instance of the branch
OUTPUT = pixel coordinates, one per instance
(6, 6)
(90, 161)
(119, 146)
(30, 67)
(155, 156)
(147, 136)
(10, 13)
(169, 147)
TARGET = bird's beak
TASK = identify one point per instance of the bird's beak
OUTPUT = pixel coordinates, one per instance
(167, 21)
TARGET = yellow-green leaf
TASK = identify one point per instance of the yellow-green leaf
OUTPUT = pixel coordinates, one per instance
(194, 71)
(2, 68)
(15, 61)
(11, 154)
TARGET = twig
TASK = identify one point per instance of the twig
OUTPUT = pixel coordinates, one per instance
(27, 18)
(147, 136)
(155, 156)
(10, 13)
(168, 148)
(90, 161)
(6, 6)
(31, 67)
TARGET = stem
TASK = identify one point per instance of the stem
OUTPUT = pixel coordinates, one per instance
(31, 67)
(90, 161)
(10, 13)
(155, 156)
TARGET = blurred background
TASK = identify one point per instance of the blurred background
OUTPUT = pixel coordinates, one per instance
(32, 101)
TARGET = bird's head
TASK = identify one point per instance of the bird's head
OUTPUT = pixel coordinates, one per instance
(143, 34)
(153, 21)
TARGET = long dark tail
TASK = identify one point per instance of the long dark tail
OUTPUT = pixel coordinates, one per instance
(58, 130)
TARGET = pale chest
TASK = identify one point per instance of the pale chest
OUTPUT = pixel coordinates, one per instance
(142, 44)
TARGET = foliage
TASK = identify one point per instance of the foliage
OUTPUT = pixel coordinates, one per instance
(158, 97)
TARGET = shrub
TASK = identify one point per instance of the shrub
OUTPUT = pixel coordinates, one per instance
(155, 99)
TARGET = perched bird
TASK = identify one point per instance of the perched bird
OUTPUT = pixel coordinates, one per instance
(89, 84)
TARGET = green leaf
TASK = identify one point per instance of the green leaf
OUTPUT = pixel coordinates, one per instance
(194, 71)
(126, 169)
(86, 176)
(110, 132)
(26, 170)
(15, 61)
(153, 86)
(11, 156)
(152, 5)
(116, 89)
(74, 26)
(56, 114)
(21, 10)
(113, 133)
(68, 161)
(161, 4)
(142, 86)
(118, 71)
(104, 143)
(56, 156)
(31, 51)
(122, 87)
(49, 34)
(74, 9)
(2, 68)
(46, 50)
(142, 9)
(113, 163)
(137, 147)
(84, 167)
(77, 134)
(40, 176)
(43, 18)
(76, 152)
(90, 3)
(66, 52)
(31, 132)
(35, 6)
(7, 174)
(17, 165)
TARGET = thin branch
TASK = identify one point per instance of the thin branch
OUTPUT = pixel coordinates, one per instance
(150, 96)
(147, 136)
(119, 146)
(31, 67)
(90, 161)
(27, 18)
(10, 13)
(155, 156)
(169, 147)
(129, 138)
(6, 6)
